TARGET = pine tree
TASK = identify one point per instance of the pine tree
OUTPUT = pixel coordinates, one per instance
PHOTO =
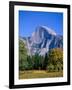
(45, 63)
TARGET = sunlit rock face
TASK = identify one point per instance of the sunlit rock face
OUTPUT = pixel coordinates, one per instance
(42, 40)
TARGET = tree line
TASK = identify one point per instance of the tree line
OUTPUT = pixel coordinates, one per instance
(52, 61)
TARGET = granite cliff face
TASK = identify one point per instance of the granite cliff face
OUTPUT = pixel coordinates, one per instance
(42, 40)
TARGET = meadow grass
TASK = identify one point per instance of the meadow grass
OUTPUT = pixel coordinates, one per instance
(29, 74)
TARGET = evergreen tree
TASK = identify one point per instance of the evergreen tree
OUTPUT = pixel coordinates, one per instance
(45, 63)
(30, 63)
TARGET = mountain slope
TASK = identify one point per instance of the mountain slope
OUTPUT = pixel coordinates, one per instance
(42, 40)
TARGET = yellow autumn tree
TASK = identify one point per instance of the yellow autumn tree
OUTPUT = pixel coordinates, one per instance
(55, 59)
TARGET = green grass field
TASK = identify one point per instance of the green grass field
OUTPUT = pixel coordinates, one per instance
(39, 74)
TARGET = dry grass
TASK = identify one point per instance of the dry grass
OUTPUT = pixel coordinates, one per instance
(39, 74)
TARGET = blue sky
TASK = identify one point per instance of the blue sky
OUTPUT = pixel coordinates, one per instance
(29, 20)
